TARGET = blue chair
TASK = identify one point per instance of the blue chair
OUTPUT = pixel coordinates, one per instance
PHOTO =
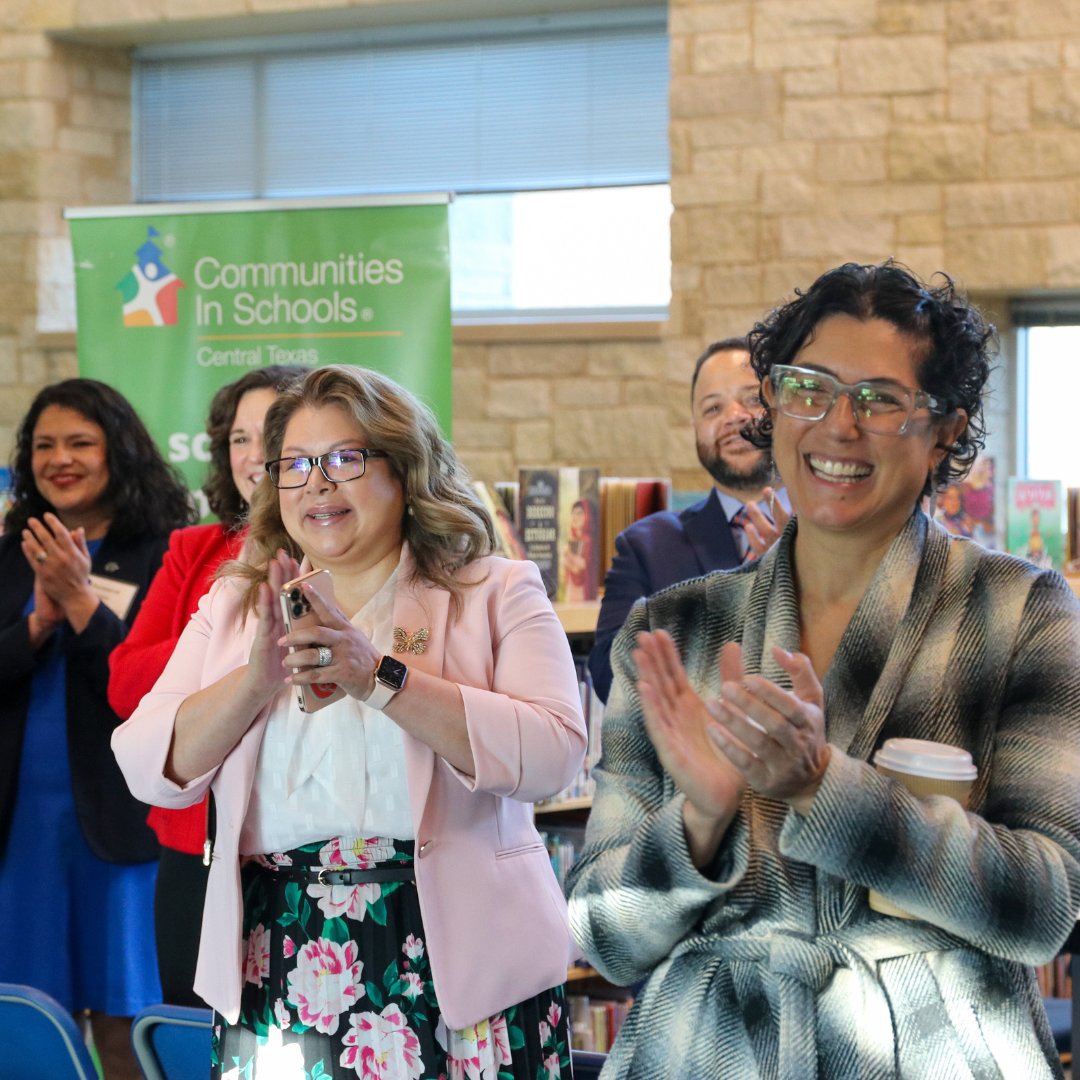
(38, 1037)
(587, 1065)
(172, 1042)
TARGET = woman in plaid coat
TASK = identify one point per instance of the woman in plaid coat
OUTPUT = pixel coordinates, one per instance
(738, 824)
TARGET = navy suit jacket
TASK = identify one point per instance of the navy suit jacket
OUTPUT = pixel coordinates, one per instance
(651, 554)
(112, 822)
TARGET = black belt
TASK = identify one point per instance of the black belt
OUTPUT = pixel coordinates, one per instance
(327, 875)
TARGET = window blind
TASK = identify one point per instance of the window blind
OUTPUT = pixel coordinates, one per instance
(529, 108)
(1049, 309)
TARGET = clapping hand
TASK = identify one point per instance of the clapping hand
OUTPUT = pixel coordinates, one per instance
(775, 738)
(677, 721)
(264, 660)
(61, 563)
(353, 658)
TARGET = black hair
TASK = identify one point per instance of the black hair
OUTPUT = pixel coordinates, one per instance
(728, 344)
(953, 343)
(225, 501)
(144, 495)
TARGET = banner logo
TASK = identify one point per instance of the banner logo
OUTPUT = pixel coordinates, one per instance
(149, 289)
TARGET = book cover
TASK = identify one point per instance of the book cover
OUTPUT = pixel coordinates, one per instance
(507, 539)
(966, 508)
(1034, 520)
(507, 490)
(7, 495)
(579, 534)
(538, 519)
(559, 515)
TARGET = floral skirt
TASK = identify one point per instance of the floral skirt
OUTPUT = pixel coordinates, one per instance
(337, 985)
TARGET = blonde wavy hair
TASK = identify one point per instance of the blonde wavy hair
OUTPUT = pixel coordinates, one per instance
(445, 523)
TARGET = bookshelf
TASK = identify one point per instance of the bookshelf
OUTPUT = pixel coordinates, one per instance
(578, 617)
(597, 1009)
(565, 806)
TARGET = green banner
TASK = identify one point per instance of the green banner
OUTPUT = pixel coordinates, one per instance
(174, 301)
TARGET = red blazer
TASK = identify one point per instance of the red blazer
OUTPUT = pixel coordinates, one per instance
(134, 665)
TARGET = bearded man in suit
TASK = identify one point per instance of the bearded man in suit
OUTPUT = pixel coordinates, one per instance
(739, 519)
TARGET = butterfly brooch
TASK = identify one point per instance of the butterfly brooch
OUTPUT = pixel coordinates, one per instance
(406, 642)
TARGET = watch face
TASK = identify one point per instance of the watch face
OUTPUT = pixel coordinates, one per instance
(391, 672)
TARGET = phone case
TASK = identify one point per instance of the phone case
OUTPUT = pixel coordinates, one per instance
(298, 614)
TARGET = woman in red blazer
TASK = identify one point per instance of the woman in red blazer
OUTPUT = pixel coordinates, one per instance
(379, 898)
(234, 427)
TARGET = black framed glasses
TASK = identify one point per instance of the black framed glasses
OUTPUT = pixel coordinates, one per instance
(338, 466)
(880, 407)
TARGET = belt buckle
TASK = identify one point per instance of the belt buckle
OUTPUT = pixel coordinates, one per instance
(326, 884)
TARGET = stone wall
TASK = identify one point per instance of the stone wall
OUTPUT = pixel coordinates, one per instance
(64, 140)
(944, 132)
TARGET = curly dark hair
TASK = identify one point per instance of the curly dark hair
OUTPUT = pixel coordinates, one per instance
(953, 343)
(225, 501)
(145, 495)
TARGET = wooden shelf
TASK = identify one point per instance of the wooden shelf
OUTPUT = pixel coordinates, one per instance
(578, 973)
(582, 802)
(1074, 581)
(579, 617)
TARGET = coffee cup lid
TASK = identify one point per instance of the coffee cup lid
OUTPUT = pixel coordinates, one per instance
(921, 757)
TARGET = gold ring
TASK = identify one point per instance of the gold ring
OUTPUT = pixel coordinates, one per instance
(41, 556)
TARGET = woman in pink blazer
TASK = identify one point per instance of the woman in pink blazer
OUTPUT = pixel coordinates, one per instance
(379, 899)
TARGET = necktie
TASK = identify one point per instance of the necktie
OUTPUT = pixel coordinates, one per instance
(738, 521)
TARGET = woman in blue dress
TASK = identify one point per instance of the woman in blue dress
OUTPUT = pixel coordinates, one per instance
(94, 503)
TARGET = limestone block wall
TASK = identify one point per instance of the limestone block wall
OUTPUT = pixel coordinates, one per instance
(65, 133)
(944, 132)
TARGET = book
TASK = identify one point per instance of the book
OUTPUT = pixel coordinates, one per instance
(559, 516)
(1035, 521)
(507, 538)
(1072, 547)
(7, 495)
(507, 490)
(966, 507)
(623, 500)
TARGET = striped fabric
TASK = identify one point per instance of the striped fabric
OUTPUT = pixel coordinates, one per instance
(771, 964)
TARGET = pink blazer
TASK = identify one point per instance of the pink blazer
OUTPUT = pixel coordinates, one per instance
(494, 916)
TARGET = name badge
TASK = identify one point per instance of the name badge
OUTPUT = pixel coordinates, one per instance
(117, 596)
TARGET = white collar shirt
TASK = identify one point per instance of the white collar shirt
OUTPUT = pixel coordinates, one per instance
(336, 772)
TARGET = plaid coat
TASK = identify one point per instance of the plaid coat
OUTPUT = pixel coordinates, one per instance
(770, 963)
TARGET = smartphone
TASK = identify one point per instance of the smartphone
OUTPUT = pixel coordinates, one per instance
(299, 614)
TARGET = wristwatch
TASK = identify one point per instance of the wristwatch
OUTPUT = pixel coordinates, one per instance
(389, 679)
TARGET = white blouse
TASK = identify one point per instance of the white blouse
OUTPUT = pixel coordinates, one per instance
(337, 772)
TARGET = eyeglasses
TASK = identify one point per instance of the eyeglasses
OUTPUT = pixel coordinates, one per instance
(338, 466)
(879, 408)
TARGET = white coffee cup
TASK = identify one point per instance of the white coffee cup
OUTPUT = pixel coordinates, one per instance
(924, 768)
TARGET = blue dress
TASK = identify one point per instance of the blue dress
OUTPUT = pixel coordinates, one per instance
(77, 927)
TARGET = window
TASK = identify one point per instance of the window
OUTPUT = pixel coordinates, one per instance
(552, 133)
(1051, 385)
